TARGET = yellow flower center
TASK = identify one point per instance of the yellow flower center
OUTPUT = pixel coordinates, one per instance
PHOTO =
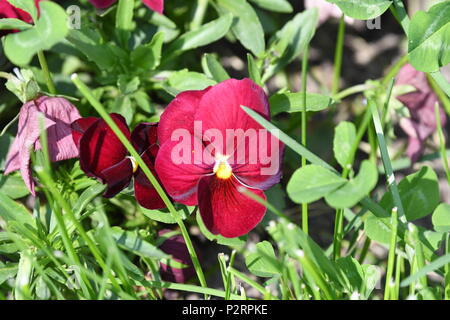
(223, 170)
(134, 163)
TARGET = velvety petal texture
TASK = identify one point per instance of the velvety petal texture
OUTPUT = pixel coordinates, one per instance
(57, 114)
(420, 104)
(211, 149)
(176, 247)
(103, 156)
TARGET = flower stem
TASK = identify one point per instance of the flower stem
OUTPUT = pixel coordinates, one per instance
(124, 21)
(390, 284)
(199, 14)
(46, 71)
(304, 115)
(338, 56)
(127, 144)
(442, 141)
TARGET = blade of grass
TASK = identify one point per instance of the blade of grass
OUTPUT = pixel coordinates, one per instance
(389, 289)
(338, 53)
(303, 127)
(442, 142)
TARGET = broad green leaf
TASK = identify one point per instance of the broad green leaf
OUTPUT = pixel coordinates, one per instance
(216, 70)
(352, 273)
(362, 9)
(263, 262)
(292, 102)
(378, 229)
(246, 25)
(232, 242)
(89, 43)
(13, 211)
(7, 271)
(11, 24)
(187, 80)
(50, 29)
(274, 5)
(311, 183)
(147, 57)
(206, 34)
(290, 42)
(441, 218)
(429, 38)
(372, 275)
(344, 137)
(354, 190)
(164, 215)
(419, 193)
(13, 186)
(132, 242)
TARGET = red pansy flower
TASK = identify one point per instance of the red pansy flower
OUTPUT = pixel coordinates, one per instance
(9, 11)
(176, 247)
(155, 5)
(211, 166)
(420, 104)
(104, 157)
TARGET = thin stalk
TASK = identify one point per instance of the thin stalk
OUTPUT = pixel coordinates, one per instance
(390, 284)
(199, 14)
(311, 269)
(124, 21)
(127, 144)
(304, 115)
(352, 90)
(442, 141)
(228, 281)
(390, 177)
(364, 250)
(46, 71)
(250, 282)
(445, 100)
(398, 274)
(338, 56)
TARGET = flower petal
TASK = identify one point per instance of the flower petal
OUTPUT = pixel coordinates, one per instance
(117, 177)
(227, 211)
(146, 195)
(79, 127)
(220, 111)
(100, 149)
(144, 135)
(102, 4)
(155, 5)
(180, 165)
(179, 114)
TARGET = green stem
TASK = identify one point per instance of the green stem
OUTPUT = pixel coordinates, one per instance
(447, 268)
(352, 90)
(124, 21)
(390, 284)
(249, 281)
(442, 141)
(304, 115)
(339, 50)
(46, 71)
(127, 144)
(199, 14)
(394, 70)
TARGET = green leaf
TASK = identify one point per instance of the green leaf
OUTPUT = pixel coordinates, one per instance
(419, 193)
(50, 29)
(441, 218)
(164, 215)
(372, 275)
(429, 38)
(352, 273)
(87, 196)
(344, 137)
(232, 242)
(290, 42)
(13, 186)
(436, 264)
(246, 25)
(10, 24)
(362, 9)
(88, 42)
(132, 242)
(216, 70)
(378, 229)
(253, 70)
(206, 34)
(13, 211)
(7, 271)
(274, 5)
(184, 80)
(5, 142)
(292, 102)
(147, 57)
(354, 190)
(263, 262)
(311, 183)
